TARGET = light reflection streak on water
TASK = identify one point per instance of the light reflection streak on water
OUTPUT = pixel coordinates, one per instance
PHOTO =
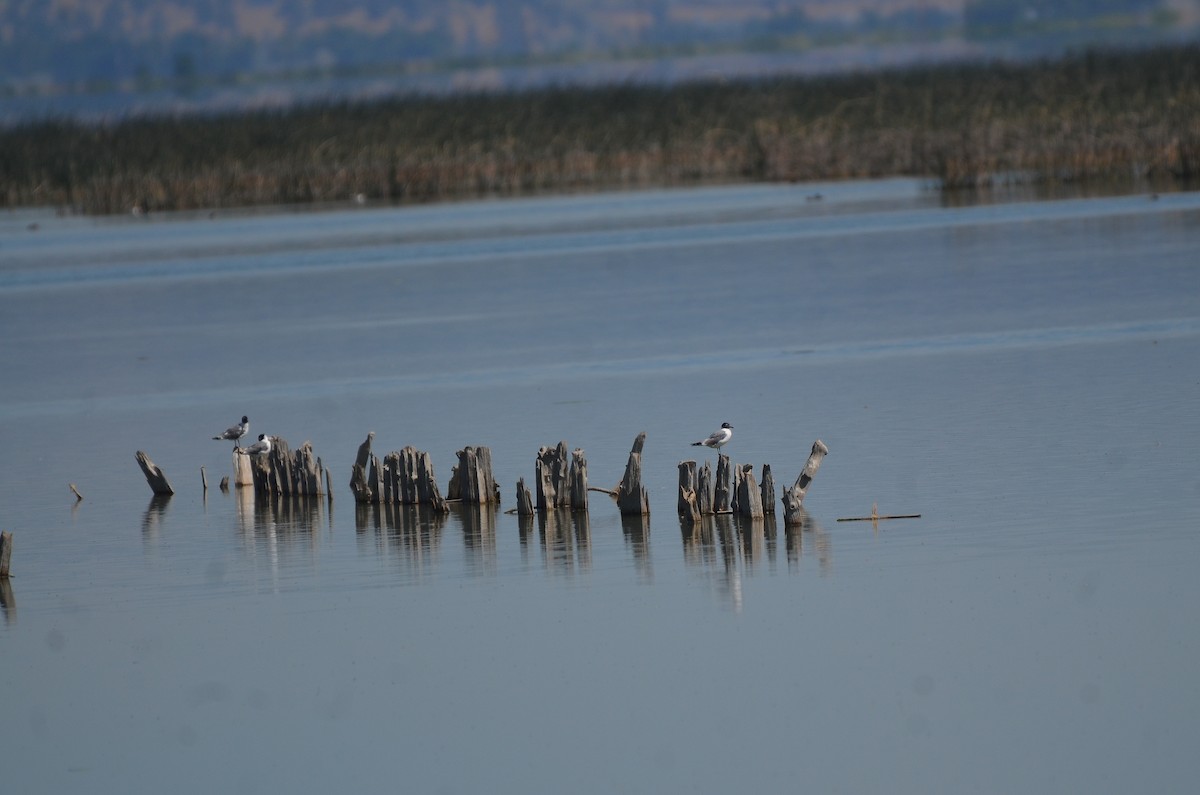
(714, 361)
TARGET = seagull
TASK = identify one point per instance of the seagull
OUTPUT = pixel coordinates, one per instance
(261, 447)
(236, 432)
(719, 438)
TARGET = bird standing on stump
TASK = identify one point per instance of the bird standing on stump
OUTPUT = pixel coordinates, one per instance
(235, 433)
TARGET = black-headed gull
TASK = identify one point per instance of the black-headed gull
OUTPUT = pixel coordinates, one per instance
(718, 439)
(261, 447)
(235, 433)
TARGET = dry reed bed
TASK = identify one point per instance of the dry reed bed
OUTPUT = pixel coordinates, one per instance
(1091, 116)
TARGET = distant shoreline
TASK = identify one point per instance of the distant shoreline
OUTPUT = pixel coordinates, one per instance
(1087, 117)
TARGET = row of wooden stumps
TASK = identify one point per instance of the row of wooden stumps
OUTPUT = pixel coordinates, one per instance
(284, 472)
(281, 472)
(561, 483)
(741, 495)
(406, 477)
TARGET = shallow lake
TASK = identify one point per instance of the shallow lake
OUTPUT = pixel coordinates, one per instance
(1025, 375)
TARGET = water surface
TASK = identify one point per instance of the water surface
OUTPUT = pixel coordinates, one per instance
(1023, 375)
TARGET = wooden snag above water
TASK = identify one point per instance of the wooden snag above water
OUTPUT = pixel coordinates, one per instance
(472, 481)
(688, 503)
(747, 499)
(524, 499)
(360, 473)
(768, 490)
(722, 502)
(632, 497)
(6, 545)
(154, 476)
(561, 482)
(552, 473)
(405, 477)
(409, 479)
(793, 497)
(287, 473)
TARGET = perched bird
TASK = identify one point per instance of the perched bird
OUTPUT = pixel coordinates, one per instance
(719, 438)
(235, 433)
(261, 447)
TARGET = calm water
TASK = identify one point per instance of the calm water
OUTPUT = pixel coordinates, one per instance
(1024, 375)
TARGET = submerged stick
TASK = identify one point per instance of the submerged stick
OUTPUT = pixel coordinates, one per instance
(878, 518)
(875, 517)
(75, 491)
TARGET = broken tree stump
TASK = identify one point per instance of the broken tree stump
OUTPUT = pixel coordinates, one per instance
(632, 497)
(405, 477)
(524, 499)
(793, 497)
(243, 470)
(578, 479)
(287, 473)
(154, 476)
(552, 471)
(688, 504)
(359, 474)
(768, 490)
(705, 490)
(6, 544)
(722, 502)
(471, 481)
(747, 499)
(408, 479)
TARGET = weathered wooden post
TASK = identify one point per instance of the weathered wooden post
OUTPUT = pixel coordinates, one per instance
(243, 469)
(553, 478)
(705, 490)
(722, 503)
(632, 497)
(578, 478)
(768, 490)
(409, 480)
(6, 545)
(472, 481)
(359, 474)
(793, 498)
(154, 476)
(688, 505)
(746, 496)
(524, 499)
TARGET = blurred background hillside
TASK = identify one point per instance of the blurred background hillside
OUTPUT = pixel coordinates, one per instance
(111, 57)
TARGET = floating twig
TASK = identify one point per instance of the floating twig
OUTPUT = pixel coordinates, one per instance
(75, 491)
(875, 517)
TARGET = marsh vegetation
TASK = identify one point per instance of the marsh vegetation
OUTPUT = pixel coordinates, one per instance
(1092, 116)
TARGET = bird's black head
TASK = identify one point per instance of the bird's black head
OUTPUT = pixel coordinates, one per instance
(726, 425)
(262, 436)
(245, 418)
